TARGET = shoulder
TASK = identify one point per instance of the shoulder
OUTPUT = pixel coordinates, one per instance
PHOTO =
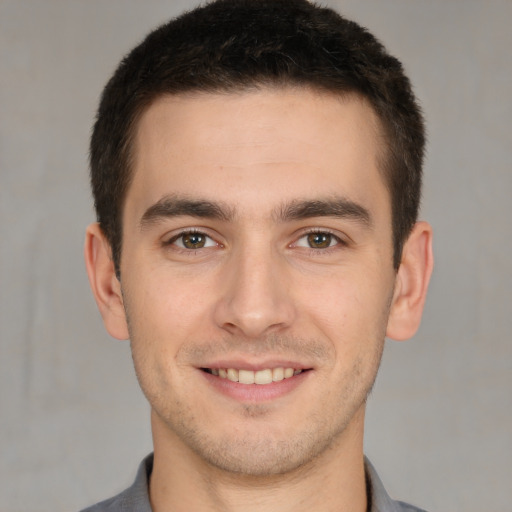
(379, 498)
(406, 507)
(113, 504)
(133, 499)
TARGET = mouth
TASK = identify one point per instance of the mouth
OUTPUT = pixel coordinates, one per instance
(261, 377)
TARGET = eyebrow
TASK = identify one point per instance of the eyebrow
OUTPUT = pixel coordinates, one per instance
(173, 206)
(338, 207)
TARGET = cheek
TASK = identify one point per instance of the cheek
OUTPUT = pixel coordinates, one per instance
(165, 306)
(156, 322)
(349, 307)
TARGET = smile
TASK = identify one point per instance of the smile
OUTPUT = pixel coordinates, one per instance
(262, 377)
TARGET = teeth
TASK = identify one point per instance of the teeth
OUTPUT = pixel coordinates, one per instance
(232, 375)
(263, 377)
(245, 376)
(266, 376)
(277, 374)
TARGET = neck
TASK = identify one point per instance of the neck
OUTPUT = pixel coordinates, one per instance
(334, 481)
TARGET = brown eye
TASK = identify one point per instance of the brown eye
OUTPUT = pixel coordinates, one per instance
(319, 240)
(193, 240)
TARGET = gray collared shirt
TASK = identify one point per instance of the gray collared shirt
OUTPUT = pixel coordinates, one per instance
(136, 497)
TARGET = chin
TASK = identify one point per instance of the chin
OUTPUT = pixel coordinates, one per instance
(260, 450)
(261, 458)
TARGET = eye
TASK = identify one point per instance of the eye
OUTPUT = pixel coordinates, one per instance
(193, 240)
(318, 240)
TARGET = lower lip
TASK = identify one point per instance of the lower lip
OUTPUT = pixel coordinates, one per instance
(255, 392)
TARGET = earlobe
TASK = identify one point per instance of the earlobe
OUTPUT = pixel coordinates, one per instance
(411, 283)
(104, 283)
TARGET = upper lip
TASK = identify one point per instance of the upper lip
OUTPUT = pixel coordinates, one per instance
(254, 365)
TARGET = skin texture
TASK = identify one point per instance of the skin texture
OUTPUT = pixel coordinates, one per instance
(255, 294)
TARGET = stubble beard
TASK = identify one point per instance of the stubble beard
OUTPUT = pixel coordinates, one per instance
(263, 451)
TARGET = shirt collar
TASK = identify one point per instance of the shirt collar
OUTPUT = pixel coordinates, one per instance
(378, 498)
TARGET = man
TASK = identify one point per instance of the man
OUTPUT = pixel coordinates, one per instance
(256, 168)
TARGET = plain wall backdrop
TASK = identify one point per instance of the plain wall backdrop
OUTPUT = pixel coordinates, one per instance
(73, 422)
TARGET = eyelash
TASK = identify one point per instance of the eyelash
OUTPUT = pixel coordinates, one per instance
(322, 231)
(314, 251)
(189, 232)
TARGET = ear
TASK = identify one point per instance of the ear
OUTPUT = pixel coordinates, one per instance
(105, 286)
(411, 283)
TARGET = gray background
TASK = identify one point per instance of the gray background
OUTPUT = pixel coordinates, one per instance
(73, 423)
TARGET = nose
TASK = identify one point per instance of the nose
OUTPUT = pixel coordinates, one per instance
(255, 297)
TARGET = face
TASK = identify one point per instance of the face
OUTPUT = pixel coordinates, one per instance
(257, 246)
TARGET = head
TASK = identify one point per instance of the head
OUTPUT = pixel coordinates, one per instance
(257, 44)
(256, 167)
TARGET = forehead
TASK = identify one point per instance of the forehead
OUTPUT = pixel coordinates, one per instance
(239, 148)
